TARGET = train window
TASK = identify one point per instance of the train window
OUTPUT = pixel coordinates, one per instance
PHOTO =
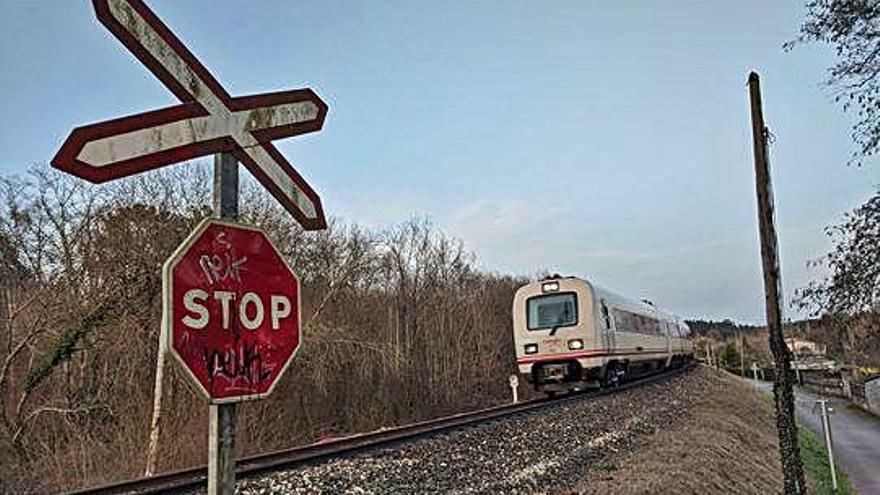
(551, 311)
(633, 323)
(622, 322)
(645, 326)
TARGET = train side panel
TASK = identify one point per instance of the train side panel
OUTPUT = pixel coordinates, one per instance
(640, 336)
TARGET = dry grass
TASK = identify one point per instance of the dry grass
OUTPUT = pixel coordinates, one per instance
(723, 442)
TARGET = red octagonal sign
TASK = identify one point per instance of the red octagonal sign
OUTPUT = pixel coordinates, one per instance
(231, 311)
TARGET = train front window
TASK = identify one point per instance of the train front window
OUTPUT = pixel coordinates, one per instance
(551, 311)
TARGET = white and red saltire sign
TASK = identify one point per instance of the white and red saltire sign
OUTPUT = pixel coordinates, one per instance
(208, 121)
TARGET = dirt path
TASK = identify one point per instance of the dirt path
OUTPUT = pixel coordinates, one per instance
(723, 442)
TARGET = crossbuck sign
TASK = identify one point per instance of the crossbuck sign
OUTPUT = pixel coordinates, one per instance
(208, 121)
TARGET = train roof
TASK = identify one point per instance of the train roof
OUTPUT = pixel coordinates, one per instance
(622, 302)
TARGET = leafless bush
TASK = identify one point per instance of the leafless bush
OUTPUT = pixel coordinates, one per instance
(399, 325)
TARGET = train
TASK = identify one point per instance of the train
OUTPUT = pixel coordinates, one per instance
(571, 335)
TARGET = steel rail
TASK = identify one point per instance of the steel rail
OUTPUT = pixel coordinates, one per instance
(194, 478)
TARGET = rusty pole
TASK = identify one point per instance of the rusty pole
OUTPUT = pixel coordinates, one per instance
(792, 466)
(221, 425)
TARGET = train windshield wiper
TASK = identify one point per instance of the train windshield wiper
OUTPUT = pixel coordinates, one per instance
(553, 330)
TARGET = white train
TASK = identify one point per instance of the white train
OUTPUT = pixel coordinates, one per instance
(570, 334)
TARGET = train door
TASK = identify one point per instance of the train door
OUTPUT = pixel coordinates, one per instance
(671, 341)
(609, 340)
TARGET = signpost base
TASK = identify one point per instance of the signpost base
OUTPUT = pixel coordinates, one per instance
(221, 450)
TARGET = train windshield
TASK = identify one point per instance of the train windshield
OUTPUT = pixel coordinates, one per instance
(555, 310)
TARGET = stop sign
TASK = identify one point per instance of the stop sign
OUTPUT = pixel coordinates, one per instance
(230, 311)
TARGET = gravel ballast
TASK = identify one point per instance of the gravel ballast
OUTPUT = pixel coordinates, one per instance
(551, 450)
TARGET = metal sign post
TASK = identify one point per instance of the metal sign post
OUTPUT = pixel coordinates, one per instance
(826, 430)
(231, 317)
(221, 422)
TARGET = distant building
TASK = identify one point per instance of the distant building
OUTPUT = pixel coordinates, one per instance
(809, 356)
(802, 347)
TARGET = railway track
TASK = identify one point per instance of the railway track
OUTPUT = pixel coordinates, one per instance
(194, 478)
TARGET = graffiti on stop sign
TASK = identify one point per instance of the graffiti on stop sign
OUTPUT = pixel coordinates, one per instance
(232, 311)
(228, 264)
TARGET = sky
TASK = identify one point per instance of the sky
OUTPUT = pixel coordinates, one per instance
(606, 140)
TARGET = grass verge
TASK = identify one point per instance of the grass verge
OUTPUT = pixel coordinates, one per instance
(815, 459)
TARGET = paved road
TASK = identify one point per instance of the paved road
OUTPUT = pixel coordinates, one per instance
(856, 439)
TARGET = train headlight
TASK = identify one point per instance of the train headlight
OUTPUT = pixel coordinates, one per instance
(550, 287)
(531, 348)
(575, 344)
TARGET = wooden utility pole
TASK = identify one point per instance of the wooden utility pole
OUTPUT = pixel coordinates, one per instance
(792, 466)
(742, 355)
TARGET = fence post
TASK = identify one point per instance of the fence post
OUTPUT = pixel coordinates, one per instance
(513, 380)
